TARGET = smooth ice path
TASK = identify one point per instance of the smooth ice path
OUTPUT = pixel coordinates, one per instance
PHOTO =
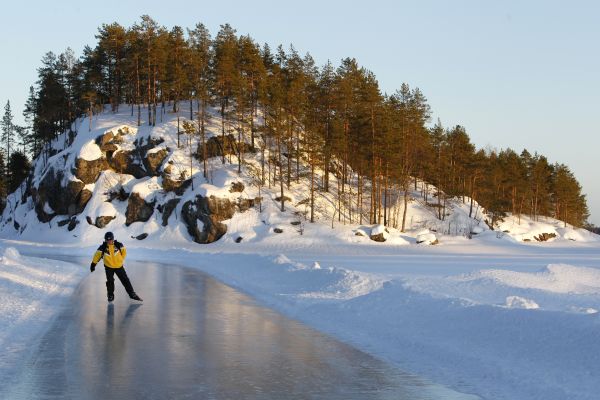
(194, 337)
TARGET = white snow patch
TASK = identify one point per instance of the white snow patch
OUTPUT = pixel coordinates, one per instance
(520, 302)
(90, 151)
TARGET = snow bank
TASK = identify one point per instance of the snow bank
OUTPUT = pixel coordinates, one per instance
(31, 292)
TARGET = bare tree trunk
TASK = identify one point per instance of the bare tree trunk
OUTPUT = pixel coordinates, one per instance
(138, 99)
(405, 207)
(155, 98)
(149, 94)
(471, 194)
(312, 191)
(289, 152)
(339, 198)
(297, 156)
(280, 174)
(240, 122)
(385, 196)
(223, 130)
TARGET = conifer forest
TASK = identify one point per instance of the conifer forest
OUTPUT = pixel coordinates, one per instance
(305, 119)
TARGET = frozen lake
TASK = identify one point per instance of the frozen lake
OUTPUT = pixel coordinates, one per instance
(196, 338)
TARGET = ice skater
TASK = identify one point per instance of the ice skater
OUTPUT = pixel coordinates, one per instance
(113, 254)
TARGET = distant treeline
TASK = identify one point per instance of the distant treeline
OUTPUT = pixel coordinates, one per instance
(335, 120)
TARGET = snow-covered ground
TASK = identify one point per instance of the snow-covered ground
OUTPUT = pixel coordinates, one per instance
(485, 316)
(499, 315)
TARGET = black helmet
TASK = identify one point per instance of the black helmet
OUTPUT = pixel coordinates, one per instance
(109, 236)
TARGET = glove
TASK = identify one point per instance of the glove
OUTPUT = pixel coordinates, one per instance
(92, 267)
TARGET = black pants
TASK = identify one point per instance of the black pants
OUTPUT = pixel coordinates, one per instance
(110, 280)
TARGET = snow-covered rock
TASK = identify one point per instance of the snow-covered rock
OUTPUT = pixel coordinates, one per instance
(426, 237)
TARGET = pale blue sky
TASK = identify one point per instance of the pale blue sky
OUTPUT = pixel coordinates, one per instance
(519, 74)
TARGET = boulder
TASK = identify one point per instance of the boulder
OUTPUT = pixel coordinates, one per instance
(246, 204)
(72, 224)
(63, 222)
(88, 171)
(426, 237)
(119, 194)
(170, 181)
(216, 146)
(154, 160)
(543, 237)
(378, 233)
(138, 210)
(104, 140)
(80, 202)
(236, 187)
(209, 211)
(167, 209)
(119, 161)
(378, 238)
(69, 199)
(102, 221)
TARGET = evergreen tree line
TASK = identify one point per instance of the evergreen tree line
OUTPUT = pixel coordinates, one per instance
(378, 148)
(14, 163)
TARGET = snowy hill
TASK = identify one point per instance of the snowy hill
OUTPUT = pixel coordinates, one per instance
(147, 183)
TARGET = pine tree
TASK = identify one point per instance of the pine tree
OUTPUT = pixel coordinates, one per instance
(275, 120)
(326, 101)
(3, 188)
(569, 203)
(540, 175)
(252, 77)
(201, 80)
(313, 138)
(225, 73)
(7, 132)
(112, 42)
(19, 166)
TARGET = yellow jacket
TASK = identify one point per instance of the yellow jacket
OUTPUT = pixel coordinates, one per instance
(112, 255)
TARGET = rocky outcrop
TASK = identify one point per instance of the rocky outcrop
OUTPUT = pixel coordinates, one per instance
(544, 237)
(167, 209)
(120, 161)
(138, 210)
(210, 212)
(154, 160)
(88, 171)
(140, 162)
(379, 233)
(54, 197)
(61, 190)
(111, 138)
(378, 238)
(171, 182)
(246, 204)
(216, 146)
(236, 187)
(102, 221)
